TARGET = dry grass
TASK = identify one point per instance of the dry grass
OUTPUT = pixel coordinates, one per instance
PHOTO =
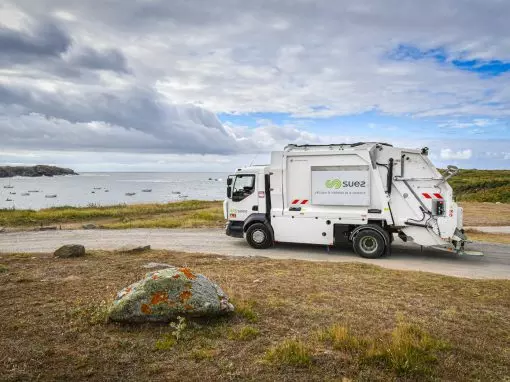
(476, 235)
(376, 324)
(486, 214)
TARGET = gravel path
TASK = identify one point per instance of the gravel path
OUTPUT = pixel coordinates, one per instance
(495, 264)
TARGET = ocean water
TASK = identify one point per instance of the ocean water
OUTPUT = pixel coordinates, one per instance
(90, 189)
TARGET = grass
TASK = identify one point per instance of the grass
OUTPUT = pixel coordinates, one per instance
(314, 321)
(485, 214)
(192, 213)
(289, 352)
(409, 350)
(246, 333)
(482, 185)
(339, 337)
(476, 235)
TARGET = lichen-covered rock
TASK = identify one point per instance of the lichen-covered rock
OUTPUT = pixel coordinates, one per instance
(167, 293)
(70, 250)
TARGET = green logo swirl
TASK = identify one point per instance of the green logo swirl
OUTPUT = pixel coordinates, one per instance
(333, 183)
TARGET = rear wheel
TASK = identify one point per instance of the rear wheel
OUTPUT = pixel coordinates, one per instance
(369, 244)
(259, 236)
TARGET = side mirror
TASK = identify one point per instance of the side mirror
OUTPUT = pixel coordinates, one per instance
(229, 181)
(229, 192)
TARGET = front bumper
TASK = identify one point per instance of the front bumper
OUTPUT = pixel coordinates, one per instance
(235, 228)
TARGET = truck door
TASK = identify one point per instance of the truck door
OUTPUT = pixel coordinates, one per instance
(244, 197)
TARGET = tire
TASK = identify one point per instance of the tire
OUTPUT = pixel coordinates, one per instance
(259, 236)
(369, 244)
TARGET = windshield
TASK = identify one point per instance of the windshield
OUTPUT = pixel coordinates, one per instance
(244, 185)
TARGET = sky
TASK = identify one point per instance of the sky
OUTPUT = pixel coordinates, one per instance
(195, 85)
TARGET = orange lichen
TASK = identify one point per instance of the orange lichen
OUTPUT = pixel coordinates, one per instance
(188, 307)
(159, 297)
(155, 277)
(176, 276)
(146, 309)
(187, 272)
(185, 295)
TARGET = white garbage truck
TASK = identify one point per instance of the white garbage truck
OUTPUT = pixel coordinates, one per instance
(360, 194)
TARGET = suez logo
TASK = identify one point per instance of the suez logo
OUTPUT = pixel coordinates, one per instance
(337, 183)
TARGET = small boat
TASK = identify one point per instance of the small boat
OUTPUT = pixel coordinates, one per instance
(8, 200)
(183, 196)
(97, 188)
(210, 178)
(147, 190)
(50, 196)
(176, 192)
(12, 193)
(130, 193)
(9, 186)
(33, 190)
(25, 194)
(92, 192)
(106, 190)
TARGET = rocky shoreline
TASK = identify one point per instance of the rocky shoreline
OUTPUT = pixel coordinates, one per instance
(34, 171)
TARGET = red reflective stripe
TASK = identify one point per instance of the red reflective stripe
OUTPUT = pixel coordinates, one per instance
(427, 196)
(295, 201)
(438, 196)
(304, 201)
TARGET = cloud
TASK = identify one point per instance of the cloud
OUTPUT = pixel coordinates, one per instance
(109, 59)
(139, 76)
(43, 40)
(460, 155)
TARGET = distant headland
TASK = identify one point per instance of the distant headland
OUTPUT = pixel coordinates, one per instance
(34, 171)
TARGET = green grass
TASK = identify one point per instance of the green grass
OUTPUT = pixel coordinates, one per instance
(171, 215)
(410, 350)
(482, 185)
(289, 352)
(246, 333)
(339, 337)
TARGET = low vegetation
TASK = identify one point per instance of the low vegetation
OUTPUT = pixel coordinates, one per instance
(192, 213)
(482, 186)
(295, 320)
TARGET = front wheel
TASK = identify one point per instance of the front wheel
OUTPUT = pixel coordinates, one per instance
(369, 244)
(259, 236)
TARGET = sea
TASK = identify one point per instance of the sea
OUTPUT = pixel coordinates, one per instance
(103, 189)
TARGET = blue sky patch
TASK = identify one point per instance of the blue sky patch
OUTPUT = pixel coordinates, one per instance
(485, 68)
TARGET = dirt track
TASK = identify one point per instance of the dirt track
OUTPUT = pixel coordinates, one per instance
(495, 264)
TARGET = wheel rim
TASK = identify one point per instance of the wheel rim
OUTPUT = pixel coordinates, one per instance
(368, 244)
(258, 236)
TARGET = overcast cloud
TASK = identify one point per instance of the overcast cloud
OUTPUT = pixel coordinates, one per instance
(226, 80)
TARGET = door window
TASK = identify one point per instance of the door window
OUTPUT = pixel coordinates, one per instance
(244, 186)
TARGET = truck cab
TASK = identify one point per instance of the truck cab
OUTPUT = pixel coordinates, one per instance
(248, 202)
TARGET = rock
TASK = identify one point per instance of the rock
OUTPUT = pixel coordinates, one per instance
(70, 250)
(34, 171)
(156, 265)
(139, 249)
(49, 228)
(165, 294)
(89, 226)
(2, 229)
